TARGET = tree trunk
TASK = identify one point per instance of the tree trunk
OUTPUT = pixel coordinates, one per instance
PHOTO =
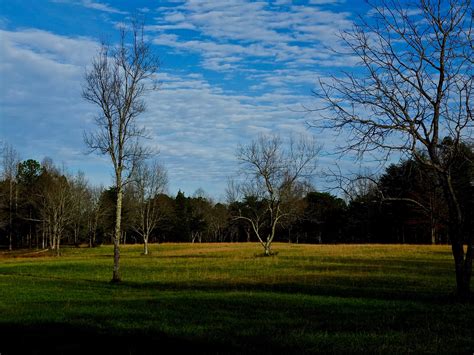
(89, 233)
(52, 240)
(76, 233)
(463, 268)
(267, 251)
(145, 244)
(10, 222)
(462, 261)
(58, 239)
(94, 229)
(118, 219)
(433, 234)
(30, 234)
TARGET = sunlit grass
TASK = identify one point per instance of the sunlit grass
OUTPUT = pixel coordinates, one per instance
(226, 297)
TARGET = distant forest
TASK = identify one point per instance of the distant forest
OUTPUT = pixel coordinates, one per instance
(43, 206)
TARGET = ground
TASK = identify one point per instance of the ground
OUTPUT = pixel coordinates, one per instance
(228, 298)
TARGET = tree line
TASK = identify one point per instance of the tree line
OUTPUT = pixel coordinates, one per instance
(44, 206)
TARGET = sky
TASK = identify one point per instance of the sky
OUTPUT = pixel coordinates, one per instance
(230, 70)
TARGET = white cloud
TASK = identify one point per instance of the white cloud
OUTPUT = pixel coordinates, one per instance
(75, 51)
(94, 5)
(237, 35)
(40, 94)
(267, 58)
(195, 125)
(325, 2)
(101, 7)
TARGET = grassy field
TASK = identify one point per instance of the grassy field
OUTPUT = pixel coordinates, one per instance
(227, 298)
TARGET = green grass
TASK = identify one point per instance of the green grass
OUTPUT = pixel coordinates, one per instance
(227, 298)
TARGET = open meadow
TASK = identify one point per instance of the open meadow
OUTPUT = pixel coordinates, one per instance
(228, 298)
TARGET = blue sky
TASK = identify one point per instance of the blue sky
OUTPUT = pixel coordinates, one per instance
(230, 70)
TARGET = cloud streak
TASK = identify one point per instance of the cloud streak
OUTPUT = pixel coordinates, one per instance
(235, 34)
(94, 5)
(101, 7)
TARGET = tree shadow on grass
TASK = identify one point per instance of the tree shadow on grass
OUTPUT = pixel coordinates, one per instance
(235, 322)
(332, 287)
(60, 338)
(366, 287)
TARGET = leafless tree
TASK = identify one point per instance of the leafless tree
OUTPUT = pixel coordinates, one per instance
(411, 90)
(117, 83)
(81, 204)
(218, 219)
(10, 161)
(57, 204)
(272, 169)
(150, 181)
(94, 213)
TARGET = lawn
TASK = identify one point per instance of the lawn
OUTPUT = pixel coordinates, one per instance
(228, 298)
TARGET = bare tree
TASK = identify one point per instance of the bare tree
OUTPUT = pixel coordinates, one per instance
(272, 169)
(117, 82)
(218, 221)
(150, 181)
(412, 90)
(81, 204)
(10, 161)
(94, 213)
(57, 204)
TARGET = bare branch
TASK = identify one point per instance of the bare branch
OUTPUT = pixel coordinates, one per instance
(273, 170)
(117, 83)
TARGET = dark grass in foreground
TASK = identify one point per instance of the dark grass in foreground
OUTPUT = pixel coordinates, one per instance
(225, 298)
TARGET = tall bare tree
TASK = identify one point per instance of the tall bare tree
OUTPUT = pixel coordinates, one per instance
(272, 169)
(117, 82)
(411, 94)
(150, 181)
(10, 161)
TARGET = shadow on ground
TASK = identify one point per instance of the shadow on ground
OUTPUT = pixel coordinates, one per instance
(56, 338)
